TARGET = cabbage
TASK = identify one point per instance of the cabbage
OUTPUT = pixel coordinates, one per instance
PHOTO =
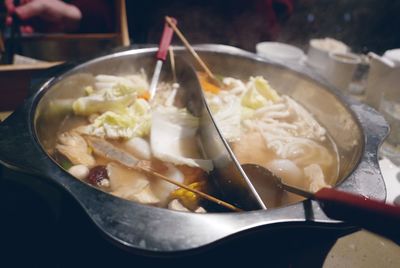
(179, 117)
(133, 121)
(58, 108)
(136, 82)
(173, 138)
(246, 113)
(97, 103)
(229, 109)
(140, 107)
(259, 93)
(112, 93)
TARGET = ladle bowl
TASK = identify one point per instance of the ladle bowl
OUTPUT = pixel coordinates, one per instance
(339, 205)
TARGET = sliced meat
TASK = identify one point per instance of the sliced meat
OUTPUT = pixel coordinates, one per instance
(130, 184)
(74, 147)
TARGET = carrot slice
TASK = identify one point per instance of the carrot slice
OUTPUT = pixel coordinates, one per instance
(192, 174)
(206, 85)
(145, 95)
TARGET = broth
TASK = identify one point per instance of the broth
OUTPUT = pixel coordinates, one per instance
(115, 128)
(275, 132)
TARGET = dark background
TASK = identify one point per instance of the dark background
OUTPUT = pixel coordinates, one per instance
(365, 25)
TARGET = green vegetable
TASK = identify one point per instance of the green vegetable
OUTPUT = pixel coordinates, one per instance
(134, 121)
(66, 164)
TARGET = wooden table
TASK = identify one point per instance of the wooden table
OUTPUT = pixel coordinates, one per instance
(4, 115)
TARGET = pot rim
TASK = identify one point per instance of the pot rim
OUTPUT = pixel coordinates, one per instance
(222, 225)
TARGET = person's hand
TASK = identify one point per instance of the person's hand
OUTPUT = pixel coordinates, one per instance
(44, 15)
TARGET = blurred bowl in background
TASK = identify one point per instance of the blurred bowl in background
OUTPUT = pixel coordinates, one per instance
(279, 51)
(319, 49)
(340, 69)
(393, 55)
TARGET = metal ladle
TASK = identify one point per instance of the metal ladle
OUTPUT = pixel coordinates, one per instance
(361, 211)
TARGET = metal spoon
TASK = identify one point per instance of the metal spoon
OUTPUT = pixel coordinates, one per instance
(370, 214)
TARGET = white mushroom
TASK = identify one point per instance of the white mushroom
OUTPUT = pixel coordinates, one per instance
(176, 205)
(200, 210)
(79, 171)
(288, 171)
(316, 177)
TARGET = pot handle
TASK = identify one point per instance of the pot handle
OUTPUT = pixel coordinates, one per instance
(18, 148)
(367, 178)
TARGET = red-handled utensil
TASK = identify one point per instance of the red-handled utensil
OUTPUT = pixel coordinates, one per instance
(161, 55)
(369, 214)
(373, 215)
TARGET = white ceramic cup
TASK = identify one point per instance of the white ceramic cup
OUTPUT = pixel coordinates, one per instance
(318, 52)
(279, 51)
(341, 68)
(393, 55)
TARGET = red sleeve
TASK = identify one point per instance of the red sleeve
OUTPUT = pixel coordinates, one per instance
(98, 16)
(283, 8)
(276, 10)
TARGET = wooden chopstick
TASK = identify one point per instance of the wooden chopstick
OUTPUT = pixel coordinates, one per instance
(123, 24)
(172, 60)
(2, 46)
(131, 162)
(191, 50)
(202, 194)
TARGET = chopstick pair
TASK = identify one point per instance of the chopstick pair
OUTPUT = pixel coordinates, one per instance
(170, 22)
(169, 28)
(14, 37)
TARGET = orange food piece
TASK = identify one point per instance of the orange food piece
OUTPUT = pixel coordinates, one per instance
(145, 95)
(192, 174)
(206, 85)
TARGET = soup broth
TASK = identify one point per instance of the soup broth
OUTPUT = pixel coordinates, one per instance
(275, 132)
(115, 130)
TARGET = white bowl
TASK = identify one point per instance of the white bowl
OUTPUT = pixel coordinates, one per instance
(279, 51)
(393, 55)
(319, 49)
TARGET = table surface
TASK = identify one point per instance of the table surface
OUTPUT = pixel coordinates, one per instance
(3, 115)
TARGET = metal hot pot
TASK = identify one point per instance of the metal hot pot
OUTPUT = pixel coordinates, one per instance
(356, 128)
